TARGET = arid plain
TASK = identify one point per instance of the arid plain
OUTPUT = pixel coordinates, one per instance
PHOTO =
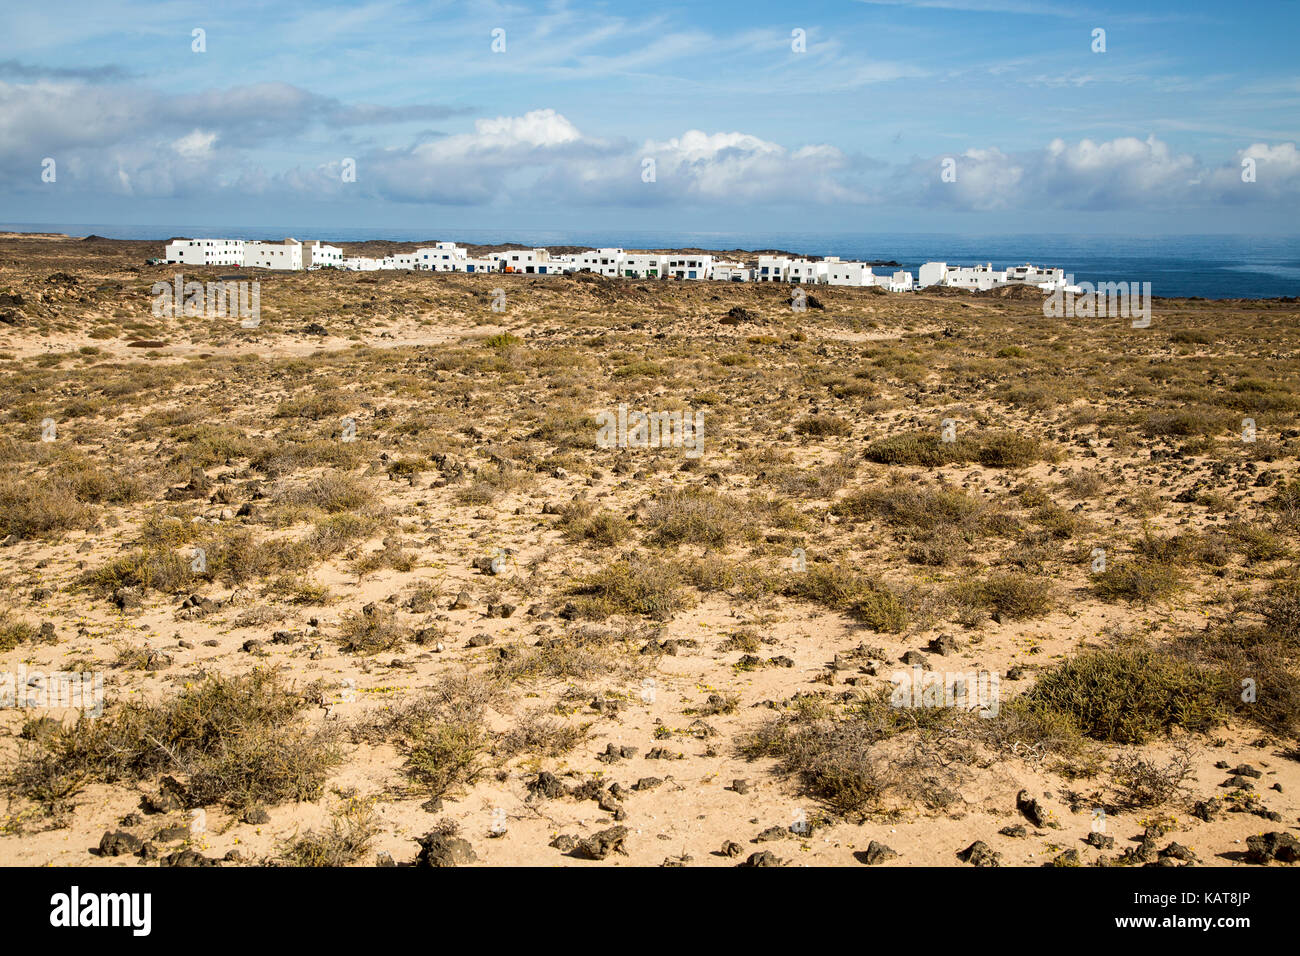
(363, 587)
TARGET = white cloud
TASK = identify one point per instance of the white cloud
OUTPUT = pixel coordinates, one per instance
(195, 145)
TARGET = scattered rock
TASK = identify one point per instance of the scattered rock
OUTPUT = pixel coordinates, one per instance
(1275, 845)
(440, 849)
(119, 843)
(1177, 851)
(877, 853)
(547, 785)
(980, 854)
(187, 858)
(1031, 808)
(602, 844)
(1100, 840)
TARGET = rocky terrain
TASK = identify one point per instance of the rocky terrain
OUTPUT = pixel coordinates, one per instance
(362, 585)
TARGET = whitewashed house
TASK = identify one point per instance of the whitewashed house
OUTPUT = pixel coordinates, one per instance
(689, 267)
(806, 272)
(361, 264)
(478, 266)
(273, 255)
(772, 269)
(932, 273)
(407, 261)
(731, 272)
(643, 265)
(322, 256)
(527, 261)
(1032, 275)
(978, 277)
(441, 257)
(849, 273)
(607, 262)
(900, 281)
(205, 252)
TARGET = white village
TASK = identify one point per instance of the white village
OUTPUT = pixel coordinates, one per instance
(611, 262)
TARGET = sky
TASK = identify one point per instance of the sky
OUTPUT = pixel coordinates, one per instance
(858, 116)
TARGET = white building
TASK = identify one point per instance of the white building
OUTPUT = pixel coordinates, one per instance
(527, 261)
(806, 272)
(978, 277)
(932, 273)
(689, 267)
(849, 273)
(900, 281)
(441, 257)
(322, 256)
(273, 255)
(732, 272)
(478, 266)
(1032, 275)
(607, 262)
(644, 265)
(361, 264)
(984, 277)
(772, 269)
(205, 252)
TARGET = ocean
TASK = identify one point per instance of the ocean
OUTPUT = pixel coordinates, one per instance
(1209, 266)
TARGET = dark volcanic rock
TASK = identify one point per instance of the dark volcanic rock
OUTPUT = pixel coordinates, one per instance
(980, 854)
(1275, 845)
(439, 850)
(119, 843)
(602, 844)
(876, 853)
(1031, 808)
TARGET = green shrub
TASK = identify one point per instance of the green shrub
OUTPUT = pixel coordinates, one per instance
(1129, 696)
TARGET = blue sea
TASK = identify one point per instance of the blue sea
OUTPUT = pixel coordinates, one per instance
(1213, 267)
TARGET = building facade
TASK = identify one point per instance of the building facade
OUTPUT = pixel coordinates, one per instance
(273, 255)
(205, 252)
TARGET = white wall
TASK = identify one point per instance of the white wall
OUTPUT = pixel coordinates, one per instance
(441, 257)
(690, 267)
(932, 273)
(607, 262)
(272, 255)
(772, 269)
(320, 255)
(205, 252)
(643, 265)
(849, 273)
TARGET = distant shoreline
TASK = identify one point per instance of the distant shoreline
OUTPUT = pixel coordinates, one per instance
(1207, 267)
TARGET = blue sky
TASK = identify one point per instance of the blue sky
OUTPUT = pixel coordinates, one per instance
(759, 117)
